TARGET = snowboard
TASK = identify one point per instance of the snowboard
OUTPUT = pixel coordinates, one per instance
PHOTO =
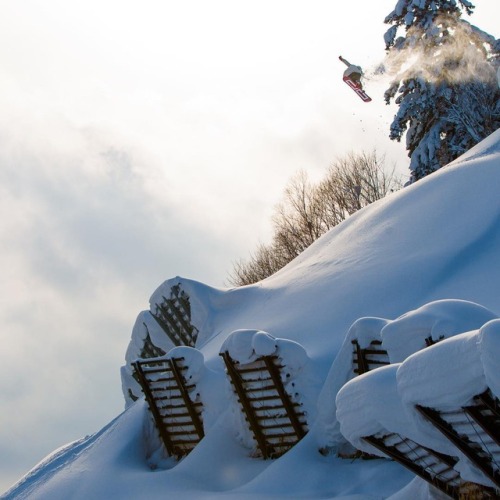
(357, 88)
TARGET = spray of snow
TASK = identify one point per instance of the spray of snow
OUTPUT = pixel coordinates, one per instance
(457, 60)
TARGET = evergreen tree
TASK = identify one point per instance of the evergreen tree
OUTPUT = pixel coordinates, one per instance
(445, 83)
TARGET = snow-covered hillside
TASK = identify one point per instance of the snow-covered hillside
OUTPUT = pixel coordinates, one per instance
(396, 264)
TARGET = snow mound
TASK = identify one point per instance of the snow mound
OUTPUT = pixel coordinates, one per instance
(431, 323)
(490, 146)
(247, 346)
(401, 337)
(489, 346)
(445, 376)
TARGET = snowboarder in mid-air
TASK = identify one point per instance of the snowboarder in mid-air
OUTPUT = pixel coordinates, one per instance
(352, 76)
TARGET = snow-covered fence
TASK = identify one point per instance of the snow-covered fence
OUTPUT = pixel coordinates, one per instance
(374, 420)
(173, 314)
(432, 466)
(475, 430)
(372, 343)
(368, 358)
(444, 400)
(169, 384)
(262, 371)
(179, 314)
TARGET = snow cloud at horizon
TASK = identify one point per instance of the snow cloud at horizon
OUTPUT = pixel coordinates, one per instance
(141, 142)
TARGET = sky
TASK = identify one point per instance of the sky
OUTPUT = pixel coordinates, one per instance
(143, 141)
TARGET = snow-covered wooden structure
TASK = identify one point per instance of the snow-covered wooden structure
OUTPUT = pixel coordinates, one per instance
(475, 431)
(437, 413)
(434, 467)
(369, 358)
(173, 401)
(276, 421)
(173, 314)
(265, 375)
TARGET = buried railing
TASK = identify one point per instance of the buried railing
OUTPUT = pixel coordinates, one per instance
(474, 430)
(168, 394)
(173, 314)
(367, 359)
(275, 420)
(435, 468)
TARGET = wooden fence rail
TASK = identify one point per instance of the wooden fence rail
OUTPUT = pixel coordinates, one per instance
(275, 420)
(168, 394)
(367, 359)
(474, 430)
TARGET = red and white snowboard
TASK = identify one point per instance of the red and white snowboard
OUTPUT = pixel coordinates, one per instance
(357, 88)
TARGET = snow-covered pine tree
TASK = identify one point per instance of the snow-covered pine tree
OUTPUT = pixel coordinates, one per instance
(445, 81)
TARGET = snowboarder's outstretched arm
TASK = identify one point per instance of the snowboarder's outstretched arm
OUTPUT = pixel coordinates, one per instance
(345, 61)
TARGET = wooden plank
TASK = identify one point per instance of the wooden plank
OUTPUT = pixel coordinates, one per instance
(169, 423)
(171, 416)
(260, 389)
(289, 405)
(276, 426)
(182, 405)
(271, 397)
(183, 433)
(392, 452)
(255, 395)
(360, 359)
(191, 442)
(177, 415)
(487, 415)
(492, 403)
(278, 416)
(178, 387)
(159, 369)
(283, 435)
(466, 447)
(152, 406)
(159, 380)
(254, 370)
(247, 407)
(187, 400)
(270, 408)
(376, 352)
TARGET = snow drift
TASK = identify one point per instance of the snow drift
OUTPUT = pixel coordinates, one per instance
(437, 239)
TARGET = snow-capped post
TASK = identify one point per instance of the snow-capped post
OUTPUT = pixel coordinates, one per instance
(444, 82)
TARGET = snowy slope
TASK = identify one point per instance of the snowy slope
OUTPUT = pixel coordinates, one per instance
(437, 239)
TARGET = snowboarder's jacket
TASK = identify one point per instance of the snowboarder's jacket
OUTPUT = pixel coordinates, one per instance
(354, 73)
